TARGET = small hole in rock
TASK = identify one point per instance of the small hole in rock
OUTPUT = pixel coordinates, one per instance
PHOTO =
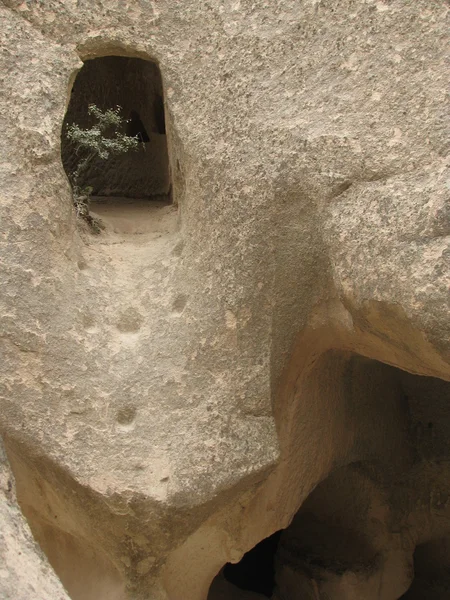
(126, 415)
(179, 303)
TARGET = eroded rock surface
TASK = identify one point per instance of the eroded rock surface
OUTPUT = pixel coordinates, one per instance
(24, 570)
(200, 375)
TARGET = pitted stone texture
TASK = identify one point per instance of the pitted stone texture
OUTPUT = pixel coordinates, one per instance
(306, 143)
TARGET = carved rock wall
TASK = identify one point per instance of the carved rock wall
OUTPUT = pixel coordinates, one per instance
(170, 399)
(25, 572)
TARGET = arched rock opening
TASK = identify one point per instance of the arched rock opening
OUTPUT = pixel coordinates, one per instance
(378, 524)
(136, 86)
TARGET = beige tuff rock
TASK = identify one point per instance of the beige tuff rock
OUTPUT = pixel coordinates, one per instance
(263, 345)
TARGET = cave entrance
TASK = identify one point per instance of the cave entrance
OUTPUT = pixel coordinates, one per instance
(135, 85)
(356, 533)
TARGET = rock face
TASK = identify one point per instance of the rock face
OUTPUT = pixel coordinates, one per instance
(24, 571)
(270, 351)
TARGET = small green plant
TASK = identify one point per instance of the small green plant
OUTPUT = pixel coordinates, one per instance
(101, 141)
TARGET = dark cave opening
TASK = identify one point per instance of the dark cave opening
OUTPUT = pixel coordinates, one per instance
(255, 572)
(339, 542)
(135, 85)
(431, 571)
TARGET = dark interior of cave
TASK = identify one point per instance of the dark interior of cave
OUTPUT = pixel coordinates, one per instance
(255, 572)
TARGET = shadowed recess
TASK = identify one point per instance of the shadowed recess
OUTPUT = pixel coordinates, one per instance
(340, 542)
(255, 572)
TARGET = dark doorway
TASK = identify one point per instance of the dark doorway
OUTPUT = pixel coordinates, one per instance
(255, 572)
(135, 85)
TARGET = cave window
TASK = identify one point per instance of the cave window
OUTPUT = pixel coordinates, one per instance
(136, 86)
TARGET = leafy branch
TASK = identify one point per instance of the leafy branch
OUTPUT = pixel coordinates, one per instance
(102, 141)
